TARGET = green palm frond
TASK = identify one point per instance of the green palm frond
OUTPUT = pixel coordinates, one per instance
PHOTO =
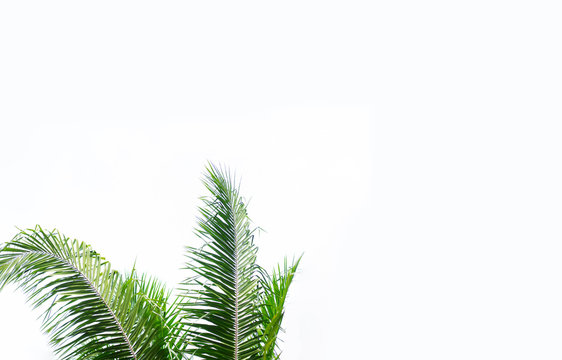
(164, 315)
(91, 311)
(273, 292)
(220, 308)
(229, 309)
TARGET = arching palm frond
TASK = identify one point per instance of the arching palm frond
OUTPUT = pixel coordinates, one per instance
(220, 308)
(273, 292)
(91, 311)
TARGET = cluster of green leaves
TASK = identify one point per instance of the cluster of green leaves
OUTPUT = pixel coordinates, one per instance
(228, 307)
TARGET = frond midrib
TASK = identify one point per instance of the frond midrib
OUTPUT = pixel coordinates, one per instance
(236, 300)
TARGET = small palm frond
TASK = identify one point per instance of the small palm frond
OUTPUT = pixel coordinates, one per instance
(273, 292)
(169, 340)
(220, 302)
(91, 311)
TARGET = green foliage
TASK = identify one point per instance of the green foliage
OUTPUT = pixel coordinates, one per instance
(228, 307)
(91, 311)
(272, 295)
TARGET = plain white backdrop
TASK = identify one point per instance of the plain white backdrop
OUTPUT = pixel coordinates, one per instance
(412, 150)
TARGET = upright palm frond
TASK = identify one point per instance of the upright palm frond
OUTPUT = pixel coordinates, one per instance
(220, 308)
(169, 332)
(91, 311)
(273, 293)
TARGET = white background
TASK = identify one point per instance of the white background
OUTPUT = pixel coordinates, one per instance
(411, 149)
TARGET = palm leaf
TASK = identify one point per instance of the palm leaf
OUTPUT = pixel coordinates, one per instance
(90, 311)
(273, 292)
(231, 309)
(220, 304)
